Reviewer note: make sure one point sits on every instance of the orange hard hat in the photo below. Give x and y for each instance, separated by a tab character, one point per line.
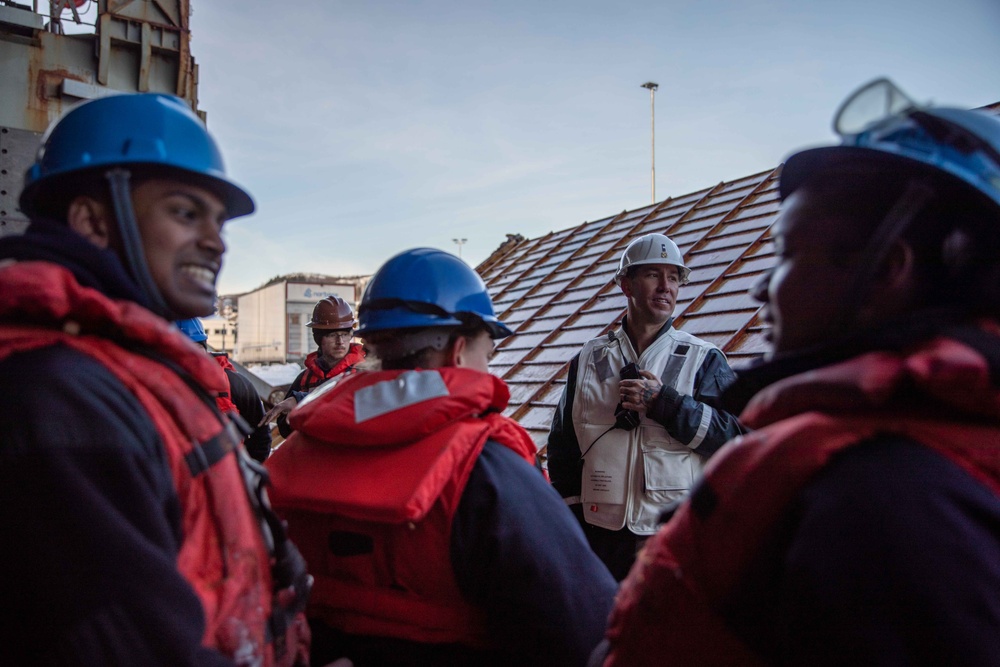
332	312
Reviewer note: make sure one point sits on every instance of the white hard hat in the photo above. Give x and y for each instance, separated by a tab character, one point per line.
652	249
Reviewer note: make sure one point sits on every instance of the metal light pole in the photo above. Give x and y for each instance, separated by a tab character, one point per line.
652	134
459	243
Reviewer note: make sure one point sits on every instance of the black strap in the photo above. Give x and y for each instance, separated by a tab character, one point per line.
135	257
206	454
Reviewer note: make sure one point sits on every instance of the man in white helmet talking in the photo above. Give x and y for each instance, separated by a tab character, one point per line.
636	421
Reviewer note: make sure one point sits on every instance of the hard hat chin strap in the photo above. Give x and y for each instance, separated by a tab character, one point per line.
135	259
917	195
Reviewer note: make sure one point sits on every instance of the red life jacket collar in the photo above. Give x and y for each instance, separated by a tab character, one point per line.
222	359
677	597
316	374
942	374
48	294
416	424
389	407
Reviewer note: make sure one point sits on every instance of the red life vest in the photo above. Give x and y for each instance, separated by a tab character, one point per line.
223	554
314	375
223	399
671	604
370	482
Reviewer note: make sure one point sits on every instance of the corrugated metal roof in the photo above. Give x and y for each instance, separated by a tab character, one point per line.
557	291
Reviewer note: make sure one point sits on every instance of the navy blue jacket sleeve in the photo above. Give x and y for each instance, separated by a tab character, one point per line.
518	552
284	428
893	560
698	420
92	520
563	450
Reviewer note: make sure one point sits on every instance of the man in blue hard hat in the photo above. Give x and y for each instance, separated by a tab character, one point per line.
859	524
241	399
139	531
433	537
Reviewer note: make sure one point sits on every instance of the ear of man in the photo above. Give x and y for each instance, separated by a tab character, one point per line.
898	268
91	219
895	287
626	285
456	351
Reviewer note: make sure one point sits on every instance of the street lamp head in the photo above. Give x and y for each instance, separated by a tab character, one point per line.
650	85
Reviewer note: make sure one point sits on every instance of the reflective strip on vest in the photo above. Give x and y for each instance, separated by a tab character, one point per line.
408	389
706	421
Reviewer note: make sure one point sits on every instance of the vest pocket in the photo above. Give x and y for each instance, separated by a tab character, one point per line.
666	472
668	475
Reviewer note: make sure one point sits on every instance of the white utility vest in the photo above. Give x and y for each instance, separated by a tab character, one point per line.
630	476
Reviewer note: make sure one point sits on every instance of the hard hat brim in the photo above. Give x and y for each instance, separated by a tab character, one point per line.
235	199
332	327
497	329
684	271
801	166
377	321
804	165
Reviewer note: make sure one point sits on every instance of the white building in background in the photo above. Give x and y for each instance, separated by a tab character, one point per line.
271	320
221	333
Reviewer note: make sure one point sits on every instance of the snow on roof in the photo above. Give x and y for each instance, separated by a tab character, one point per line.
275	375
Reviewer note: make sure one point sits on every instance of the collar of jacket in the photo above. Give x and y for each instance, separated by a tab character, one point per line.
624	327
97	268
45	294
897	336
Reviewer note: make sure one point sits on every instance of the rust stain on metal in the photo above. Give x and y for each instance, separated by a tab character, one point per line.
46	102
36	113
47	83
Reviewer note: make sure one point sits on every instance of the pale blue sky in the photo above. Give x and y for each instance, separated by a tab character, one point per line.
365	127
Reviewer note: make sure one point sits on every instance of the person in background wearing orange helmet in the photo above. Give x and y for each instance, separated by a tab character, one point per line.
333	328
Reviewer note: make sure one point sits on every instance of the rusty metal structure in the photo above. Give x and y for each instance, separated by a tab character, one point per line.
52	57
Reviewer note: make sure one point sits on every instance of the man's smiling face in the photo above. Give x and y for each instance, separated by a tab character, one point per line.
181	229
651	291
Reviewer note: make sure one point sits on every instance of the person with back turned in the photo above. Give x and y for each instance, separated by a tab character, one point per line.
433	537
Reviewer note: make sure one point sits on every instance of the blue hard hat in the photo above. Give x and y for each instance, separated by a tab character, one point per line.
960	145
148	130
193	329
422	288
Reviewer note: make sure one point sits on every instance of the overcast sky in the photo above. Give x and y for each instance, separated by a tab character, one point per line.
365	127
